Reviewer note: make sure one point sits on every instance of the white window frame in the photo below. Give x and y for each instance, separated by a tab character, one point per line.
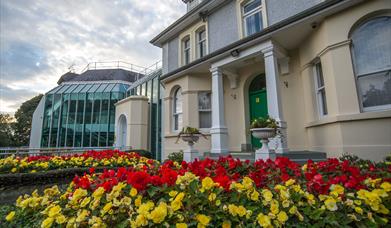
370	74
204	110
175	114
320	100
185	50
259	9
200	42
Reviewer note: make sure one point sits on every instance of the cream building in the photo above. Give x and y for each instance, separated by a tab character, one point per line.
321	68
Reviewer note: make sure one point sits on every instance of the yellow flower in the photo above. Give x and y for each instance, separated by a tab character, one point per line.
226	224
181	225
282	217
207	183
98	192
359	210
172	193
137	202
218	202
60	219
10	216
274	207
289	182
293	210
212	197
255	195
133	192
263	220
54	211
386	186
47	222
13	170
267	195
247	183
85	201
82	216
331	204
203	219
159	213
106	208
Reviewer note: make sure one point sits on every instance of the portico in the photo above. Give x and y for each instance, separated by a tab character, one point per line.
224	69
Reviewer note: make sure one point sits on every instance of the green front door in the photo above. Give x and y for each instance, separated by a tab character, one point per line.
258	108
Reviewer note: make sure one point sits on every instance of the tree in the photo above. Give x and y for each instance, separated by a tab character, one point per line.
24	116
6	130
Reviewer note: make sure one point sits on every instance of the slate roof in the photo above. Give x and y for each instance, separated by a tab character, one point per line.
101	75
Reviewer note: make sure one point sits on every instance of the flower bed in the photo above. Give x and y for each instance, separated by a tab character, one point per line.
108	158
223	193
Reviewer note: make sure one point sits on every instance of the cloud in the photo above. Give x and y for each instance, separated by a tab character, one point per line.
40	39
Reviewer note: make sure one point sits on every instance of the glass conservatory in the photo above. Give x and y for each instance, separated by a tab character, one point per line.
81	114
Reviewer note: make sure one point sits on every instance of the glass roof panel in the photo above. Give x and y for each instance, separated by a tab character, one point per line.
79	88
86	88
109	87
93	88
55	89
116	88
101	88
65	87
71	88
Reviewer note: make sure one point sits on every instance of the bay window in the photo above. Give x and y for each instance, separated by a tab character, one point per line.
371	52
320	90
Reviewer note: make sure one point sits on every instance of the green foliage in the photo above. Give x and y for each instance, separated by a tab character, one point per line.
190	131
176	157
264	122
23	118
6	130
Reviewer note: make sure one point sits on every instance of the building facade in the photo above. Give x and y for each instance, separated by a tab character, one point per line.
80	111
321	68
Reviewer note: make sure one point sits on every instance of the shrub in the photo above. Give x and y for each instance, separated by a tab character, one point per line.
176	157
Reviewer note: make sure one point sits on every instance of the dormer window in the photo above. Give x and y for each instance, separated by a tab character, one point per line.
186	50
252	17
201	42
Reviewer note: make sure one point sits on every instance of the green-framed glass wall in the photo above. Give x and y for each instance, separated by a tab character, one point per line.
150	87
81	115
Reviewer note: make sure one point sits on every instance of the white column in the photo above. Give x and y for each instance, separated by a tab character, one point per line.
274	104
218	131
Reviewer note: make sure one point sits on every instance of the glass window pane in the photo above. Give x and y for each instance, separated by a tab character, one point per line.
78	89
251	5
204	101
253	23
55	120
376	89
101	88
372	46
205	119
149	89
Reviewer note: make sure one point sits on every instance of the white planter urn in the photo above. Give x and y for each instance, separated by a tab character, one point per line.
264	134
190	154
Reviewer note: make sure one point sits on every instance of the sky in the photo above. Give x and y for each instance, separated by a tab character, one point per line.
41	39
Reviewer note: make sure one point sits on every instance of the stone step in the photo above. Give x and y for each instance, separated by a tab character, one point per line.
300	157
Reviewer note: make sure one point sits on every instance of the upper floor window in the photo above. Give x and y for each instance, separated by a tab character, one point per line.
320	90
177	110
201	42
371	51
186	51
205	109
252	17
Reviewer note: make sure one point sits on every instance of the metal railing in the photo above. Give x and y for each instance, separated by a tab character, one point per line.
64	151
122	65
